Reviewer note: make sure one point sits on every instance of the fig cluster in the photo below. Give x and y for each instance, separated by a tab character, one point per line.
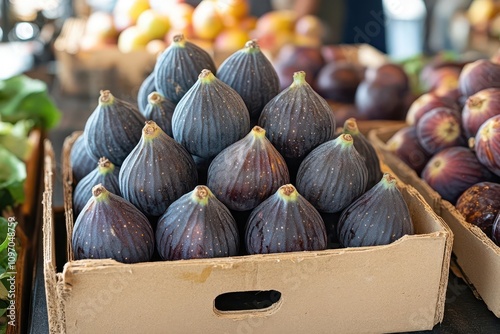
453	140
204	167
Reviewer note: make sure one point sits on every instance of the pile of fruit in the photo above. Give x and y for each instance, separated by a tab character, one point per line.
353	89
222	25
453	141
219	162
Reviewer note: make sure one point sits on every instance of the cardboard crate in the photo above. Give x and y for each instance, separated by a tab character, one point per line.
392	288
476	255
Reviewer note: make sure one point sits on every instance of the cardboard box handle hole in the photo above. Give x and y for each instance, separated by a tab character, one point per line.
247	301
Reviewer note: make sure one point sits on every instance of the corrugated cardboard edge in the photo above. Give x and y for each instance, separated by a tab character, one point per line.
68	187
379	138
54	305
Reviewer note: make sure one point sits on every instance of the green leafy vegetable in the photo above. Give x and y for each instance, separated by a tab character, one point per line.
14	137
24	98
12	176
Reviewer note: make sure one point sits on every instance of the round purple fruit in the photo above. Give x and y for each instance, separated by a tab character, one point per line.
453	170
478	108
440	128
487	144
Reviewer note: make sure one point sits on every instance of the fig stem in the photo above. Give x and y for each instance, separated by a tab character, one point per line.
351	126
179	40
299	78
206	76
389	180
252	46
150	130
105	166
345	139
288	193
258	132
100	193
201	194
155	98
106	98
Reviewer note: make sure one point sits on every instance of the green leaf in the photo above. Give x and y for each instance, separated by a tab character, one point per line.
4	293
14	137
24	98
12	177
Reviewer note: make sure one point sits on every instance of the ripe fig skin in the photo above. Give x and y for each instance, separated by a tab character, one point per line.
487	144
479	204
210	117
147	87
440	128
298	119
453	170
252	75
157	172
425	103
479	75
285	222
196	226
104	173
479	108
111	227
113	129
160	110
177	68
366	150
247	172
405	145
81	161
333	175
378	217
338	81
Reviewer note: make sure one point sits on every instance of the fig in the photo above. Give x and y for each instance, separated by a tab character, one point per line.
252	76
105	174
479	204
378	217
293	58
247	172
333	175
487	144
366	150
377	100
495	233
147	87
390	75
111	227
157	172
478	108
285	222
80	160
452	170
338	81
297	120
177	68
440	128
113	129
210	117
405	145
160	110
196	226
441	79
479	75
425	103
